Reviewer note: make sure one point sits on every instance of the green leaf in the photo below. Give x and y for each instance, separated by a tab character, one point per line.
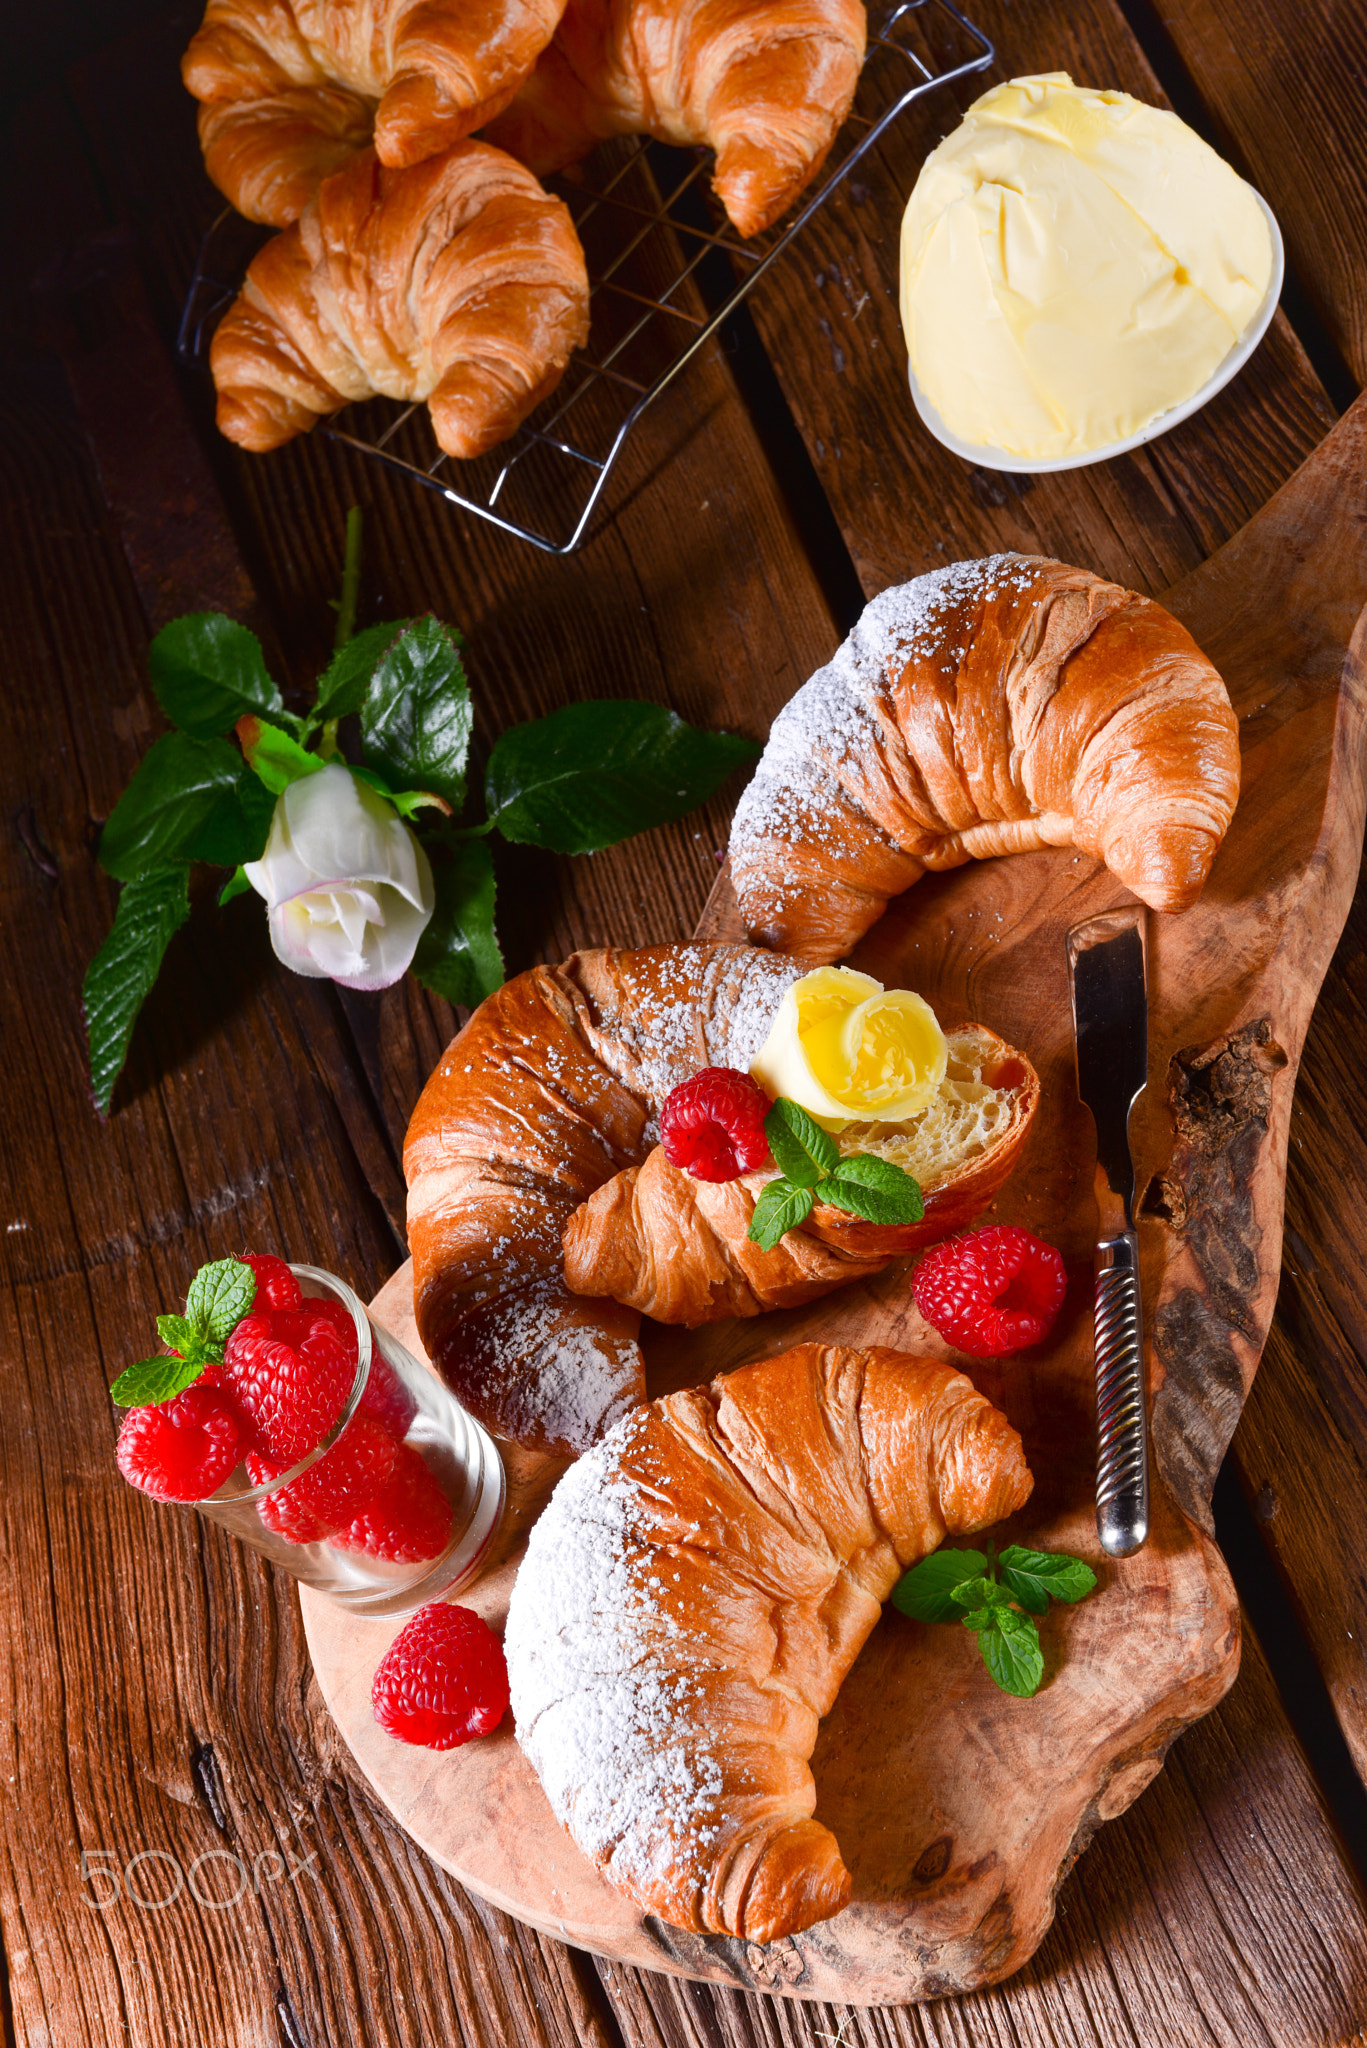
980	1592
274	756
151	910
236	885
780	1208
207	670
405	801
416	717
154	1379
458	955
874	1189
802	1151
591	774
179	1334
926	1591
176	799
344	682
1036	1576
220	1295
238	826
1011	1651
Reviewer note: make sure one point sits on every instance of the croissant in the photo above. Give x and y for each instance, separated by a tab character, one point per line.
548	1092
675	1248
694	1595
990	707
291	89
458	281
765	83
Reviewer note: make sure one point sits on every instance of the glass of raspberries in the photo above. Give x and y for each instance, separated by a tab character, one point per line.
282	1412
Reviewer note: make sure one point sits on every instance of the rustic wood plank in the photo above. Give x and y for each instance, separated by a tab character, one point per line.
1185	1922
829	318
1283	91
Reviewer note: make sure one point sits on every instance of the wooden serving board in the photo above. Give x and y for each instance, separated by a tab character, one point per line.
959	1809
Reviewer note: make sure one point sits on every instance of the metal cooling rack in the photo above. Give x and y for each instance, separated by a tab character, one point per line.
658	248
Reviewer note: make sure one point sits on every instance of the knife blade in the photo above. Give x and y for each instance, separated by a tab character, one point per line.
1106	978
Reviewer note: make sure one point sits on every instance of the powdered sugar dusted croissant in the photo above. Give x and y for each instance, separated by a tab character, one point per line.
990	707
675	1248
694	1595
765	83
549	1091
458	281
290	89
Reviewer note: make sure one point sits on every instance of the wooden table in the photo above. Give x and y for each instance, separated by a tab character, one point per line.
160	1725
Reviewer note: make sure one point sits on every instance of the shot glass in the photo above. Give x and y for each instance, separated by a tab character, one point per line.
442	1492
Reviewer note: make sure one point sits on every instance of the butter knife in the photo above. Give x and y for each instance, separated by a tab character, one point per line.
1111	1033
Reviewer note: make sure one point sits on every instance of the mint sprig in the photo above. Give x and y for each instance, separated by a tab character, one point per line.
811	1170
585	777
997	1597
220	1295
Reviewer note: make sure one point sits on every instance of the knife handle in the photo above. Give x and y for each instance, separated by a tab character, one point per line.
1122	1431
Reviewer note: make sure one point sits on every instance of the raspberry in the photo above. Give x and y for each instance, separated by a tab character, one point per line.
347	1478
713	1125
409	1518
276	1286
993	1291
443	1680
182	1449
282	1511
387	1398
292	1372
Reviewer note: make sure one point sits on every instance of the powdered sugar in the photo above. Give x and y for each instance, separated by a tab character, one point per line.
732	993
572	1381
616	1733
834	718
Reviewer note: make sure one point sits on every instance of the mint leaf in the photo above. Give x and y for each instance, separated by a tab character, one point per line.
801	1149
874	1189
458	955
416	715
926	1591
980	1592
780	1208
176	792
151	910
220	1295
207	670
178	1334
592	774
343	684
1011	1650
154	1379
1036	1576
274	756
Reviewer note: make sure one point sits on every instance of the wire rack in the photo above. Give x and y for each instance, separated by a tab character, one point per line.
665	271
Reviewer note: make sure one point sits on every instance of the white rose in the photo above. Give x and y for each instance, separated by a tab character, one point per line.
347	886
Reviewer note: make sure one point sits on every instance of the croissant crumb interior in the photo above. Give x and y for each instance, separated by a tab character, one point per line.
967	1117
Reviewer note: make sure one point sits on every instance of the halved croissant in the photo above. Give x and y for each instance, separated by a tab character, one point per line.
675	1248
548	1092
990	707
458	281
290	89
694	1596
765	83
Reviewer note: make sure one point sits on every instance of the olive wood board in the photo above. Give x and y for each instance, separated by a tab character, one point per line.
958	1808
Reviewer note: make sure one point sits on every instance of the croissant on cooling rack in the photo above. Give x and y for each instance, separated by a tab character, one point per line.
657	1240
764	83
458	281
991	707
289	90
694	1596
548	1092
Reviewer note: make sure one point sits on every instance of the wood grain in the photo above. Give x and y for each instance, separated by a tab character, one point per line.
161	1695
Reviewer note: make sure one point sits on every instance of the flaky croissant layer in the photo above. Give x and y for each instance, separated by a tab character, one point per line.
694	1596
458	281
990	707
